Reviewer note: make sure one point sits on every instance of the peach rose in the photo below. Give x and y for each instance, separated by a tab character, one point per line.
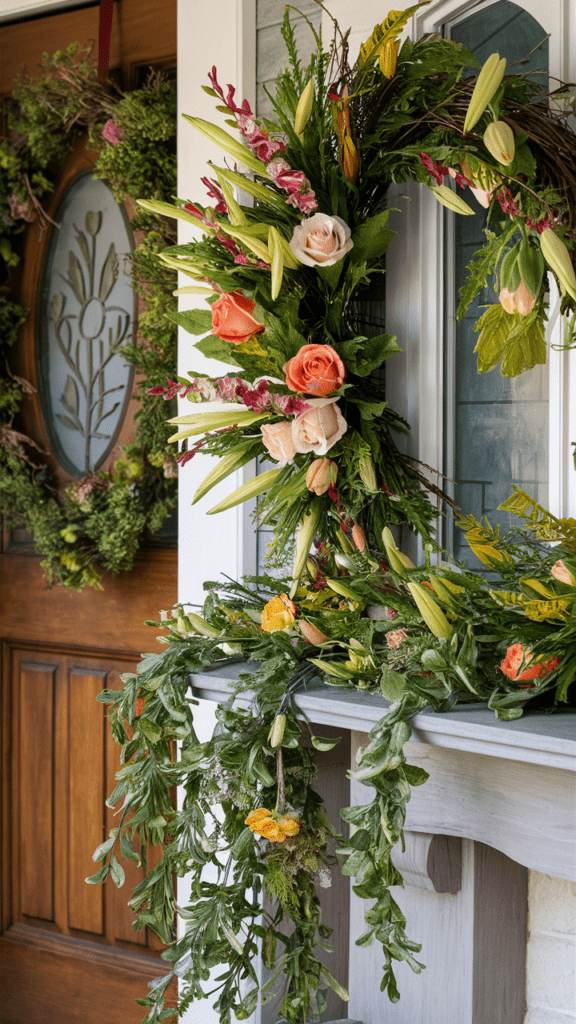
562	574
321	475
277	438
520	300
516	654
319	428
279	613
316	370
232	318
320	241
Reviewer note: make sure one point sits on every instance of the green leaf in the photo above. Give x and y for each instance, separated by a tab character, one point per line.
392	684
99	876
484	262
228	464
335	985
195	321
214	348
509	272
104	848
151	730
117	872
531	266
515	339
371	239
324	743
363	355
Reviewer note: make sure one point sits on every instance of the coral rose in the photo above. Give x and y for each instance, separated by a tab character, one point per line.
516	654
277	438
232	318
279	613
319	428
315	370
320	241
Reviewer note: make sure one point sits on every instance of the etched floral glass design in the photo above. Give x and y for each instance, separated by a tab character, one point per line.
86	317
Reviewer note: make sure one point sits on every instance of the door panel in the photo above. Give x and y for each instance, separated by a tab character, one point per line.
68	952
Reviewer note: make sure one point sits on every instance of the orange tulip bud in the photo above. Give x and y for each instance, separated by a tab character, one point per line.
321	475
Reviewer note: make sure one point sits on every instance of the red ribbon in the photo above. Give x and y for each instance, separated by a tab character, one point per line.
104	37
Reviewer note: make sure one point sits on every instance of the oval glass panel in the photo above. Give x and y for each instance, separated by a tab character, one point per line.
86	316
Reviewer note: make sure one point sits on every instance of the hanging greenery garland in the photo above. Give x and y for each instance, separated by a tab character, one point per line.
284	280
98	521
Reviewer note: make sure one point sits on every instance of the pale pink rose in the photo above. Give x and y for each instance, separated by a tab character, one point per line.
562	574
318	429
321	240
277	438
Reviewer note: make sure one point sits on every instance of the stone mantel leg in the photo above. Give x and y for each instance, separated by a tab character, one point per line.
473	935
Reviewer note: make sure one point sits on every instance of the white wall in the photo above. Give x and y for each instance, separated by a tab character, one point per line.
551	963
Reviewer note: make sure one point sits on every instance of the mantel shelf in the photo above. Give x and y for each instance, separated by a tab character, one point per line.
536	738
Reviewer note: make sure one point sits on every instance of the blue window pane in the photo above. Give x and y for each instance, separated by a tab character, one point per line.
498	426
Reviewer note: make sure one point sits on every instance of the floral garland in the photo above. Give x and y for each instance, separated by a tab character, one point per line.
97	522
285	281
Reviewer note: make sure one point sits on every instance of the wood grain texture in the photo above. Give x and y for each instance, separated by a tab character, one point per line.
86	817
35	777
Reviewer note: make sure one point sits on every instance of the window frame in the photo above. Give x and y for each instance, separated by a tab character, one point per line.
417	288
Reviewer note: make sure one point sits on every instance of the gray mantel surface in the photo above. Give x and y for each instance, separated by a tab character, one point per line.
536	738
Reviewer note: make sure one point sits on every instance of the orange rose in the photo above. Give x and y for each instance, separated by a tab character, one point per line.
279	613
516	654
315	370
232	318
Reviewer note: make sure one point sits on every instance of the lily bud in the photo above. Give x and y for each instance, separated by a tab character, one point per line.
562	574
487	83
304	108
350	159
304	541
311	633
558	259
321	475
499	141
200	626
431	612
368	473
388	57
520	300
276	734
449	199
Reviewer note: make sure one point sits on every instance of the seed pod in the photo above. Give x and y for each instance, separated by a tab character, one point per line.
304	108
499	141
387	58
431	612
558	259
487	83
449	199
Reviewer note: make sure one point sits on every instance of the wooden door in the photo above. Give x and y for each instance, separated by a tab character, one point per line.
67	950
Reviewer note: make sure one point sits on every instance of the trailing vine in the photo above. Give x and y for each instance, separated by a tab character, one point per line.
97	522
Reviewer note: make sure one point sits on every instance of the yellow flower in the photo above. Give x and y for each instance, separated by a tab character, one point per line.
279	613
270	826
